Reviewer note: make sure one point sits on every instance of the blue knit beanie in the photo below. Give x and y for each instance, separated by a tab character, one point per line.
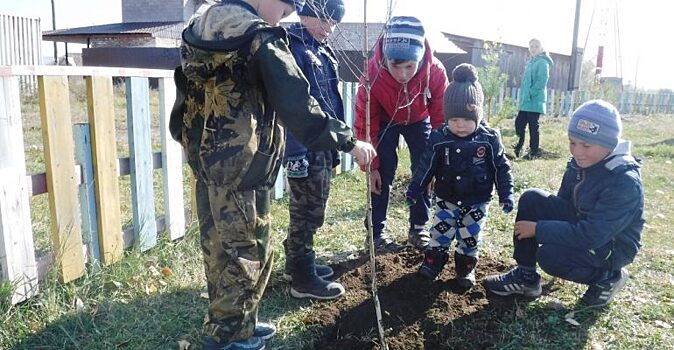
298	4
324	9
404	39
596	122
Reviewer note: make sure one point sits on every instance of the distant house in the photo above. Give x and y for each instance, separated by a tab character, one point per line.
513	60
149	37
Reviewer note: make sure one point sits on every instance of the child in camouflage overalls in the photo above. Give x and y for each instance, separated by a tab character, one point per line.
239	83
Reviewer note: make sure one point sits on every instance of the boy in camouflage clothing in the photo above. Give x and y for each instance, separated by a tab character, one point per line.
239	83
309	172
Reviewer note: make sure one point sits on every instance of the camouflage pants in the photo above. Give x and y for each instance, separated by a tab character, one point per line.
235	241
308	201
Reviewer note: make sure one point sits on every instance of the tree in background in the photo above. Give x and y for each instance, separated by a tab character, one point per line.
493	81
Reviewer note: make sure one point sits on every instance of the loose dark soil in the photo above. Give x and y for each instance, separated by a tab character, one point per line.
417	313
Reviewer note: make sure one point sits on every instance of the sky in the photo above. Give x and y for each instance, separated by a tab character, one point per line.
635	44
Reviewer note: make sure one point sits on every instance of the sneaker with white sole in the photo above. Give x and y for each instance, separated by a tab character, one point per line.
600	294
512	282
264	330
252	343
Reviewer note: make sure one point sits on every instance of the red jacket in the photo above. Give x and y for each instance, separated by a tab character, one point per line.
389	98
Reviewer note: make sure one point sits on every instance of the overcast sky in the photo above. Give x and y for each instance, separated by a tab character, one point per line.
637	44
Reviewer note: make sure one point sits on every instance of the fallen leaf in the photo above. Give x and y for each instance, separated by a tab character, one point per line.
162	283
153	271
659	191
79	304
573	322
663	324
204	295
183	345
166	271
570	314
118	285
660	215
150	289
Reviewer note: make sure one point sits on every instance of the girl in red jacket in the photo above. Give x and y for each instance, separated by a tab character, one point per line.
407	85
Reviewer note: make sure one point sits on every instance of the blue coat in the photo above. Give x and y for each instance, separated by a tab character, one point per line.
465	168
609	202
318	62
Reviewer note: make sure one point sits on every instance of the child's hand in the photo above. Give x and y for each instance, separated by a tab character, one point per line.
525	229
507	204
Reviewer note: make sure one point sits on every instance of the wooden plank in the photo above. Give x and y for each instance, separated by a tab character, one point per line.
86	192
172	163
13	70
57	136
279	184
349	105
100	107
140	157
17	253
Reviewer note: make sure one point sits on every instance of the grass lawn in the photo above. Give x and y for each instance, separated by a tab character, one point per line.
153	300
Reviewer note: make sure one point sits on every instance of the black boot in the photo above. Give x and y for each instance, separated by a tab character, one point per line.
323	271
307	284
465	270
434	260
518	147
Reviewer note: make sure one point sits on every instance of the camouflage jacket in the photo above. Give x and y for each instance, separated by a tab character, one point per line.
241	85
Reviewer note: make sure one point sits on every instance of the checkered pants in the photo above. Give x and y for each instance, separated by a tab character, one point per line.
463	223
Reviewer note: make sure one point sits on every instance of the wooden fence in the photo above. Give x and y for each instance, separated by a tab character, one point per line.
562	103
83	170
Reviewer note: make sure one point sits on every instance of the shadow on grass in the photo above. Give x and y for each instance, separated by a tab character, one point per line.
155	322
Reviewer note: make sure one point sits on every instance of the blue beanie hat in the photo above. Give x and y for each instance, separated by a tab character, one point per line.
324	9
596	122
404	39
298	4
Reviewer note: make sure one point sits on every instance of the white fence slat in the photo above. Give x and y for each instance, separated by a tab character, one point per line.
172	163
17	252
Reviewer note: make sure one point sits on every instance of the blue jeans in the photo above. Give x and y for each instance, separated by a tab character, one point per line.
573	264
416	136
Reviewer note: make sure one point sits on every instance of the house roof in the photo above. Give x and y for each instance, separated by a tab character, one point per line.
81	35
348	36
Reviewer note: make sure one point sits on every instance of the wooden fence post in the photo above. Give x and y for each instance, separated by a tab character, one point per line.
87	195
172	164
100	106
57	135
17	252
140	161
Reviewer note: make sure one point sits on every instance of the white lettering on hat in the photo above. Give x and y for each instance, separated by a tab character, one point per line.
588	126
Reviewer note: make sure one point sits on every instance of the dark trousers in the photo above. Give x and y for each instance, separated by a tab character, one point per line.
578	265
416	136
530	118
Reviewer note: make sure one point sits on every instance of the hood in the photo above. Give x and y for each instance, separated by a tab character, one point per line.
543	56
621	155
221	30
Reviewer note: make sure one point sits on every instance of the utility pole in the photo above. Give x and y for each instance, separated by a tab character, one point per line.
574	50
53	27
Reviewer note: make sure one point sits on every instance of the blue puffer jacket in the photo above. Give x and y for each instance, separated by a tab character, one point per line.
609	201
465	168
318	62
